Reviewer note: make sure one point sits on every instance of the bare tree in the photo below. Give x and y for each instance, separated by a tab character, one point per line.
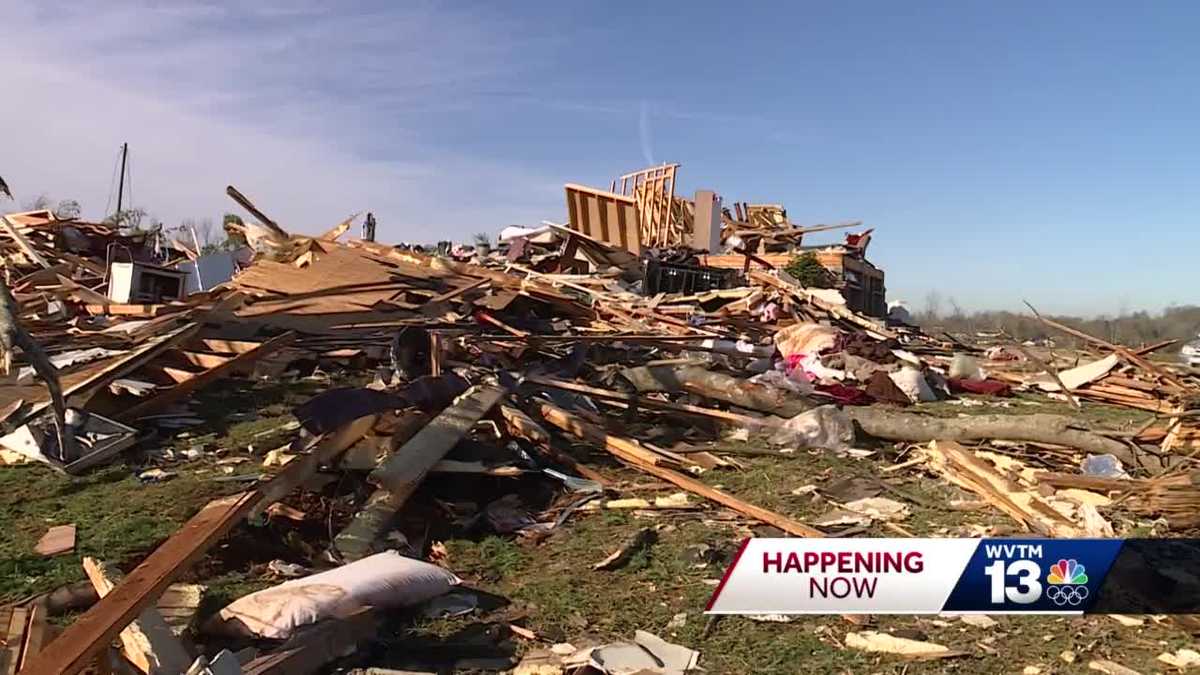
67	209
933	304
37	203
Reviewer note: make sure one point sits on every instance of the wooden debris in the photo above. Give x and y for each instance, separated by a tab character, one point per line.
148	642
640	541
400	475
57	540
314	646
874	641
89	634
635	455
961	467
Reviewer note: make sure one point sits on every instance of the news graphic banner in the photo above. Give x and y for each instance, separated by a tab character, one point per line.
930	576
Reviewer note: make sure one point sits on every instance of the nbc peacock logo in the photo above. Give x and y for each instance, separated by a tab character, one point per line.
1067	583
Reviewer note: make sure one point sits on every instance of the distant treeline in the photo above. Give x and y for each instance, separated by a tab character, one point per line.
1133	328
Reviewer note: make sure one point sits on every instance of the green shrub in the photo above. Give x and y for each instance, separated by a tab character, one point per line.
805	269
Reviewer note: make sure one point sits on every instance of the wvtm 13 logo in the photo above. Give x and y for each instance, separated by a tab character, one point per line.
1065	583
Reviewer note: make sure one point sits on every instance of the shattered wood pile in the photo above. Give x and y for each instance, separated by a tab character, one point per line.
517	390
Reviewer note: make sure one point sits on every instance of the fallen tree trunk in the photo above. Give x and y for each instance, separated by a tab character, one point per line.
886	424
1038	428
719	387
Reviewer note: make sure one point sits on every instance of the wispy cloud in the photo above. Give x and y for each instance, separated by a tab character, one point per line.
314	110
644	133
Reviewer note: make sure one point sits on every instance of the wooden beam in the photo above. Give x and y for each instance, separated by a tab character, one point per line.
92	632
37	630
178	375
632	453
12	628
645	402
185	388
314	646
338	230
233	347
204	359
245	203
138	358
523	426
1124	353
401	473
23	243
321	450
148	642
450	295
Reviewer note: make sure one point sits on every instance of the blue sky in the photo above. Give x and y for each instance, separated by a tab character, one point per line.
1003	151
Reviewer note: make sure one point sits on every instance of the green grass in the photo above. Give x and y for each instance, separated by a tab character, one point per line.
118	519
556	593
551	586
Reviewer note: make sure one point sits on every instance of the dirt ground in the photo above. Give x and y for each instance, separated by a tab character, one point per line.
549	586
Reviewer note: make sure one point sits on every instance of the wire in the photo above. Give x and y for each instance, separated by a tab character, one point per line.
130	173
112	184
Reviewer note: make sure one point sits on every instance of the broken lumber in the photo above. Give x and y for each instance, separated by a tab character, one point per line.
314	646
92	632
398	477
23	243
322	450
963	468
645	402
632	453
203	379
1124	353
148	642
523	426
245	203
338	230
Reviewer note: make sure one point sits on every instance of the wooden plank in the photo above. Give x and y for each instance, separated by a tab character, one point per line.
82	293
963	468
159	401
245	203
148	642
1124	353
632	453
57	540
229	346
36	632
13	627
143	311
646	402
399	475
91	633
23	243
204	359
450	295
522	425
118	369
338	230
321	450
177	375
314	646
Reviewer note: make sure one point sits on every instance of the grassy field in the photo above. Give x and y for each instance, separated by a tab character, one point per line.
550	586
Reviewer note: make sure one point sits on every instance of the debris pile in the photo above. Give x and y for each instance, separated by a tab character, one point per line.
507	390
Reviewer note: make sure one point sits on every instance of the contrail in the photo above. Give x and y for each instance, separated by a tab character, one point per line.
644	133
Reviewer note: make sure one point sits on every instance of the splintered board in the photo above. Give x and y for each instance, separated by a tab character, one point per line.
96	628
185	370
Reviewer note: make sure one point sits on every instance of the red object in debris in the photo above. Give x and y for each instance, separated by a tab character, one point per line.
845	395
985	387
